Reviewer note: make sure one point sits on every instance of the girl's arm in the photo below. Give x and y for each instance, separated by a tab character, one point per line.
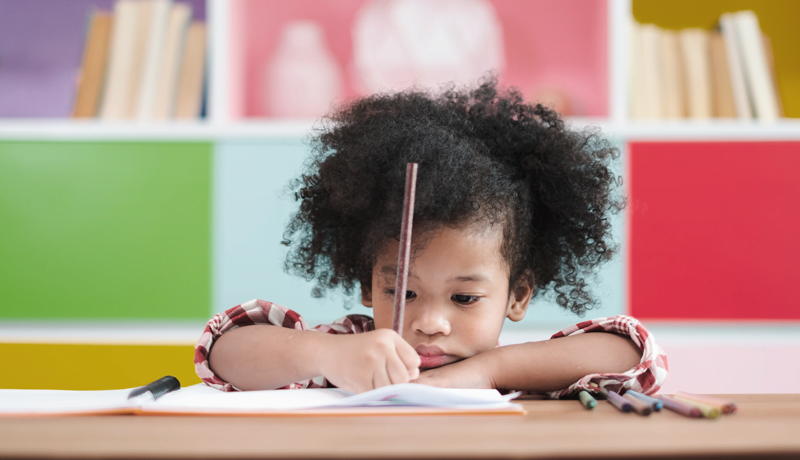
554	364
266	357
613	353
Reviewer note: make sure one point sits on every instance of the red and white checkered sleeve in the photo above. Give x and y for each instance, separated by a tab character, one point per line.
647	377
247	314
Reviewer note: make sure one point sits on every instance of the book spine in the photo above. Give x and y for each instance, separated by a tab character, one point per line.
93	67
741	100
116	94
759	82
190	86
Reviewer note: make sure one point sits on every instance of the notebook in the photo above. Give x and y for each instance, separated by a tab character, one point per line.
200	399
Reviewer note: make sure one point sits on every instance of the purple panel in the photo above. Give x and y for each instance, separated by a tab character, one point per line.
41	42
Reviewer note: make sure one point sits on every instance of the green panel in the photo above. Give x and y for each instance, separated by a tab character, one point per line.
778	20
104	230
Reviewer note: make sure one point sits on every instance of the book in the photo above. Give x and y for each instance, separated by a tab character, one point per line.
93	65
756	71
151	65
722	91
697	78
672	91
741	100
650	36
638	96
771	65
119	76
192	74
200	399
141	36
166	93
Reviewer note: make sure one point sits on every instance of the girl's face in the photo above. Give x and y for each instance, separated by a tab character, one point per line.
457	298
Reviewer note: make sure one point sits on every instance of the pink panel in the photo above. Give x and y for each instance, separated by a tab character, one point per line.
548	44
732	369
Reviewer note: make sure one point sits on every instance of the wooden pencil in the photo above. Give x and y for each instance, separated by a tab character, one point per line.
726	406
617	401
708	410
680	407
587	400
405	248
656	404
639	406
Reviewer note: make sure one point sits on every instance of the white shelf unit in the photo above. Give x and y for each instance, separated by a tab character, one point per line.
219	124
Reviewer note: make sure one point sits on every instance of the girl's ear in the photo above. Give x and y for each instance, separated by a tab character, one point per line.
366	295
520	298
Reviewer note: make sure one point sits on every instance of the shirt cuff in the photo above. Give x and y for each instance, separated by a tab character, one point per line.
247	314
647	377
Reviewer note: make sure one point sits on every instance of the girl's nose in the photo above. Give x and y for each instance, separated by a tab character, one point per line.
428	318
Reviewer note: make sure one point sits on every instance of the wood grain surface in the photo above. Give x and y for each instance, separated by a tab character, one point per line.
767	426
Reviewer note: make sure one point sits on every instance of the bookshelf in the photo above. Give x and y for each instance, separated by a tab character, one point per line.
240	141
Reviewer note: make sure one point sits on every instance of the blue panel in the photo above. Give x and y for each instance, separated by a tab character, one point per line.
251	209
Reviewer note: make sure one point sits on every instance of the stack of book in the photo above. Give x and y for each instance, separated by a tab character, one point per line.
700	74
145	61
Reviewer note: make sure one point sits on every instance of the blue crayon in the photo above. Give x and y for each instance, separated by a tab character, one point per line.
656	404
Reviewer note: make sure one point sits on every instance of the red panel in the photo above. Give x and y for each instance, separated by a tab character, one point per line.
714	230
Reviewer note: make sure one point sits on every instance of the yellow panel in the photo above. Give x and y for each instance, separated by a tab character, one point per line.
778	18
92	367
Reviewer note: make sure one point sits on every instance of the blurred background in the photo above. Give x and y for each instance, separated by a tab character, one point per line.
146	147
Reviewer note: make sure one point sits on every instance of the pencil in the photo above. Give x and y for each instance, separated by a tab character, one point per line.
617	401
708	410
587	400
726	406
680	407
656	404
405	248
639	406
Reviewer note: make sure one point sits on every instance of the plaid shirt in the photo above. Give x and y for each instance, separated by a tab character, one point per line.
647	377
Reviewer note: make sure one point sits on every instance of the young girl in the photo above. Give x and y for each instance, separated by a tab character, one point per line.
510	204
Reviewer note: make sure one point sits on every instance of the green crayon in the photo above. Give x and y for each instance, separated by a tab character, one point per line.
588	401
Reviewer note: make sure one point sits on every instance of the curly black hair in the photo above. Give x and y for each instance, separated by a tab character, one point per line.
485	155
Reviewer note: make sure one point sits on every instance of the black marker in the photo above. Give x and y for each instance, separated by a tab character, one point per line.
155	390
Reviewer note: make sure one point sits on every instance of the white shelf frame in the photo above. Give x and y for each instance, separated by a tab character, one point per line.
220	125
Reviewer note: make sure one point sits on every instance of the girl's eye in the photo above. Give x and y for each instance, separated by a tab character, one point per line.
464	299
409	294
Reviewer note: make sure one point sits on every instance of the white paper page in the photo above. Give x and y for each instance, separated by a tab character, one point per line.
62	401
412	394
201	398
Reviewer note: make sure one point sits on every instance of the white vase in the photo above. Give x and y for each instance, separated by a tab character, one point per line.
302	79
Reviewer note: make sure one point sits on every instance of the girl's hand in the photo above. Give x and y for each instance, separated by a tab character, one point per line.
363	362
468	373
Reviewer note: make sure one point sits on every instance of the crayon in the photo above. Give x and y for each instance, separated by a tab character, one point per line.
618	401
405	248
639	406
656	404
726	406
587	400
707	410
680	407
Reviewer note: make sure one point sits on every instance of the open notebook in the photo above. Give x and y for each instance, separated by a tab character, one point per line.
405	399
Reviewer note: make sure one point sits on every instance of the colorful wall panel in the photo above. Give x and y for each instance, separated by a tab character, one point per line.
105	230
713	232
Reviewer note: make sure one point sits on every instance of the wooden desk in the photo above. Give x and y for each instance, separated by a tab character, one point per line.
765	425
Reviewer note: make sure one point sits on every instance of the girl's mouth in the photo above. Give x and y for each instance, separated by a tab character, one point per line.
429	361
433	356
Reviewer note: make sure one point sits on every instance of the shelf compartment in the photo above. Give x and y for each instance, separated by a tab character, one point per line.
713	230
562	44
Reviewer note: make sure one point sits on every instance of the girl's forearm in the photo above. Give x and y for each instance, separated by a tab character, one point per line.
264	357
554	364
